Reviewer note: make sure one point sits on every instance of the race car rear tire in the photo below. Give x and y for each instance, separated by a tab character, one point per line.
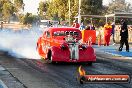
50	57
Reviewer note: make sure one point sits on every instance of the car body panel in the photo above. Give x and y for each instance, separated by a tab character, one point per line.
63	45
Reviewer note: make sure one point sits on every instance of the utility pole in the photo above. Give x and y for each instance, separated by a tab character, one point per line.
79	12
69	13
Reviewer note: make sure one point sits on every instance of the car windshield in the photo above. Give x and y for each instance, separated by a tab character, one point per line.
65	33
59	33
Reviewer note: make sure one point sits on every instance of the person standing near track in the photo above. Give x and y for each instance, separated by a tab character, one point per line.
75	24
1	25
107	33
82	26
113	32
124	36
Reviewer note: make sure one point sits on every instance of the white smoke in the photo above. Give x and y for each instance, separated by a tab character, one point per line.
20	44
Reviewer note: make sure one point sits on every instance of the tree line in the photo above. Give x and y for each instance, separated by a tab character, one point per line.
59	9
8	8
13	10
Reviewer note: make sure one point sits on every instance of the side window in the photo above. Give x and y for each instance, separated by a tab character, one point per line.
48	34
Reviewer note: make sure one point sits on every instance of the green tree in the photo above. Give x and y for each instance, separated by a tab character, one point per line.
19	5
60	8
27	19
57	9
1	4
43	6
8	8
93	7
74	8
119	6
7	11
52	10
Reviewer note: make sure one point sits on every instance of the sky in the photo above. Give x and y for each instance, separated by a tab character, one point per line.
32	5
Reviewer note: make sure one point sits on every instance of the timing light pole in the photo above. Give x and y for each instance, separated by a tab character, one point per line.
69	13
79	12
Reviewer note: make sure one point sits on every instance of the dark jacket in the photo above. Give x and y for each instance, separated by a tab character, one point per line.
124	30
113	29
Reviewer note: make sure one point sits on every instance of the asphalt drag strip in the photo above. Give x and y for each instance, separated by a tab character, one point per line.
39	74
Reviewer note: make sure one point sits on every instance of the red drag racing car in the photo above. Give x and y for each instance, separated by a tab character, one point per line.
64	45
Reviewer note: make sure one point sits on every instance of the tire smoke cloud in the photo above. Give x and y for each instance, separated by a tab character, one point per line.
20	43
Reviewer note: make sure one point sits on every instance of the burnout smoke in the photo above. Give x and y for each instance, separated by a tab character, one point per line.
20	44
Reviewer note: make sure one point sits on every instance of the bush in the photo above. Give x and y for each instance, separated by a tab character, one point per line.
27	19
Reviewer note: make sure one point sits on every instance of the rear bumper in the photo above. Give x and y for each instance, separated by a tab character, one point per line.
81	59
85	55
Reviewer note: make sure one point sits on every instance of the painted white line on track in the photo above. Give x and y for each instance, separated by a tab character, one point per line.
2	85
1	68
117	55
12	68
120	57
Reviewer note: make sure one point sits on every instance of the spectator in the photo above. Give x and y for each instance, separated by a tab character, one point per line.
92	27
107	34
113	31
49	24
87	27
82	26
75	24
1	25
124	36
